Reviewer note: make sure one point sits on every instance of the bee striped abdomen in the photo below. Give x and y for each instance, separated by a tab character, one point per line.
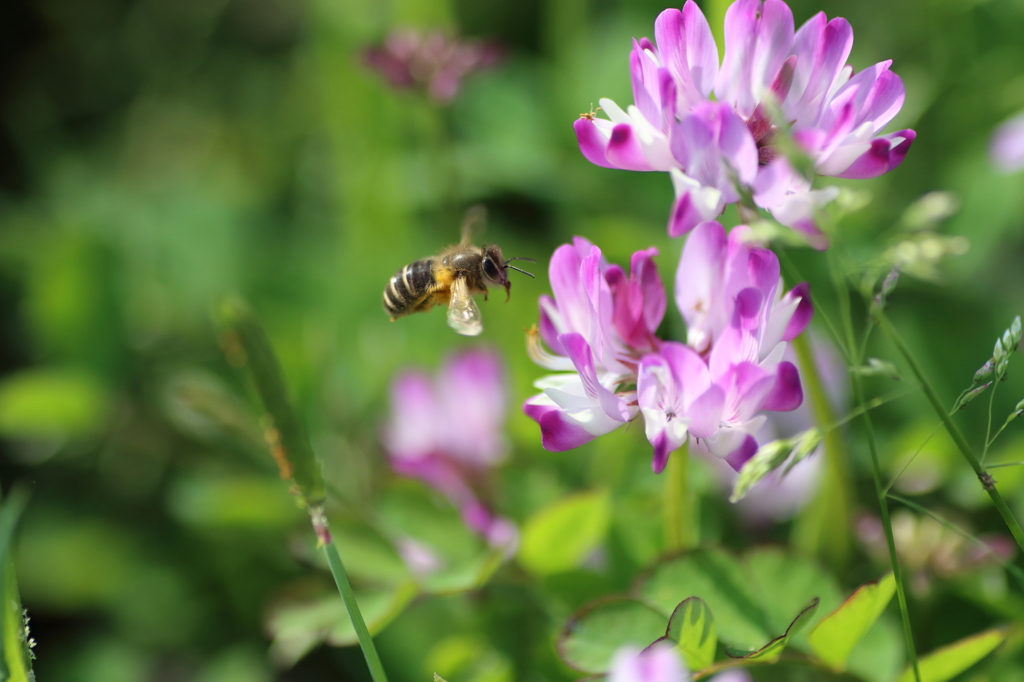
409	288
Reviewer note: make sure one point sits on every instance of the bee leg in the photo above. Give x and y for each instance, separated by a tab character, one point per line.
508	291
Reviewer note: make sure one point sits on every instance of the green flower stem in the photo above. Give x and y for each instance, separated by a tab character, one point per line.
681	530
986	480
349	597
876	472
824	526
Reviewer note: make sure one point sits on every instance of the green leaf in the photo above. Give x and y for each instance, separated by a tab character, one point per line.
784	584
834	638
15	663
560	536
51	403
719	580
595	632
773	649
692	627
949	661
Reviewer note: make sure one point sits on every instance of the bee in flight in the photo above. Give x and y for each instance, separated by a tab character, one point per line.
453	277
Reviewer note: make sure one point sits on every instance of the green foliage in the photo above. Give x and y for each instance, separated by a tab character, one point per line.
52	402
834	638
949	661
772	650
562	535
692	627
593	635
720	581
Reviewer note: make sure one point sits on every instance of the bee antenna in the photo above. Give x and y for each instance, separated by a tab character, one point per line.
532	260
512	267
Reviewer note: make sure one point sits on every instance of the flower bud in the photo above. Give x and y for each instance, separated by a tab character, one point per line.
971	395
984	370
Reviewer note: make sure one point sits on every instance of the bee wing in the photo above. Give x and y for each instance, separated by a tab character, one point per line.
463	313
473	223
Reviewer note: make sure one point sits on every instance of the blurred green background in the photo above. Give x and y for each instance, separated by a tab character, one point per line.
155	154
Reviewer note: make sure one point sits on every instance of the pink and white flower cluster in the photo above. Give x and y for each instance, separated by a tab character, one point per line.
599	330
773	81
448	433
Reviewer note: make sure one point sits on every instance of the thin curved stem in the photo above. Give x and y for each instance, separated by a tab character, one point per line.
987	482
876	471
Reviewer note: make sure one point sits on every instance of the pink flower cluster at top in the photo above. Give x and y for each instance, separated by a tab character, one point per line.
599	331
448	433
771	78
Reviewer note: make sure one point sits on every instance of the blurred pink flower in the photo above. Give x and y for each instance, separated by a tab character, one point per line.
448	433
771	77
1007	147
659	663
433	62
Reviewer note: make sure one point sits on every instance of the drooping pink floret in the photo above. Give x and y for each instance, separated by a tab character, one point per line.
771	78
448	432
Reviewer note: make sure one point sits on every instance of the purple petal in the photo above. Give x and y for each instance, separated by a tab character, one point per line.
705	412
592	143
689	371
774	40
662	449
684	217
886	153
699	274
558	434
787	395
763	269
701	50
579	351
624	149
804	311
737	145
548	332
643	71
738	457
643	271
747	312
733	85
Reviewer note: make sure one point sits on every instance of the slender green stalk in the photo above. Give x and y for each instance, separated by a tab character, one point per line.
910	461
345	588
987	482
876	471
823	528
988	426
681	530
1005	464
247	346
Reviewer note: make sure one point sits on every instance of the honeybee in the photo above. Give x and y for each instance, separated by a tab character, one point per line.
453	276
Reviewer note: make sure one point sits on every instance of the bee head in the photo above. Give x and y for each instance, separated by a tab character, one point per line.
493	268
